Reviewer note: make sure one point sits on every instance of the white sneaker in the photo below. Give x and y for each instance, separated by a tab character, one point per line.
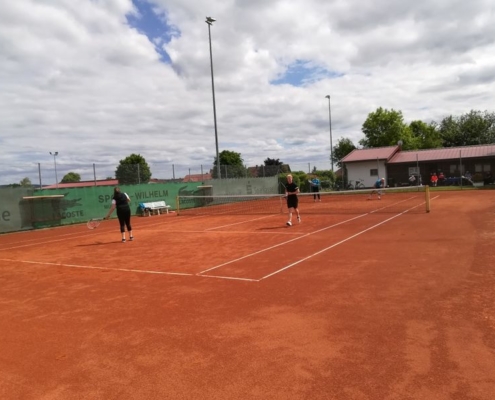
289	223
299	219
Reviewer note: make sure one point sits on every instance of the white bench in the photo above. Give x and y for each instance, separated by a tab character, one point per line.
152	207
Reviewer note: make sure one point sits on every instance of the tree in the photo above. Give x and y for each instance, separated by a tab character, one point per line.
386	128
271	167
133	170
473	128
71	177
26	182
344	146
231	165
327	177
427	136
272	161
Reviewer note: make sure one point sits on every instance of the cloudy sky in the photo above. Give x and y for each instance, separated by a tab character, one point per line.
97	80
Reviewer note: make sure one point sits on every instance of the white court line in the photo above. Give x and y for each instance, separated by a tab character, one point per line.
201	274
338	243
238	232
47	241
101	229
34	239
101	268
280	244
300	237
238	223
228	277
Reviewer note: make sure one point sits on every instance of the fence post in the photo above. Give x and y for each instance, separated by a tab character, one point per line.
39	173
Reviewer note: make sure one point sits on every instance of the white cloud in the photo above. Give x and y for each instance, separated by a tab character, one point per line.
76	78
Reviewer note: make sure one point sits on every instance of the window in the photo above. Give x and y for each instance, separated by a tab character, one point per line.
373	172
482	168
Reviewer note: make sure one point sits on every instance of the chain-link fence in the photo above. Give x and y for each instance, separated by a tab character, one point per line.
52	173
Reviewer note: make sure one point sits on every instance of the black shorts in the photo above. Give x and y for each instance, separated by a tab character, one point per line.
292	201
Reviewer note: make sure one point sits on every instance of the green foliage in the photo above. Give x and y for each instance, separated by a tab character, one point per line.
473	128
385	128
297	177
25	182
71	177
327	178
301	179
133	170
271	167
273	161
231	165
343	147
427	136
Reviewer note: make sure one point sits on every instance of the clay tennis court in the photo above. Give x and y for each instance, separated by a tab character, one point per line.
363	305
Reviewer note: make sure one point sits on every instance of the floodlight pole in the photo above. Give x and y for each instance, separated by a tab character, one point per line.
210	21
55	154
330	124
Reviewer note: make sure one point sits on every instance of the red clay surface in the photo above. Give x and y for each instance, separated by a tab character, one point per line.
352	306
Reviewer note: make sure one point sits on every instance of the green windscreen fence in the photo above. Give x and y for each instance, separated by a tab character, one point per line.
29	209
22	208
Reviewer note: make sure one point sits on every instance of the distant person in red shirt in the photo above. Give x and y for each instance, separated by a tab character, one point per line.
434	179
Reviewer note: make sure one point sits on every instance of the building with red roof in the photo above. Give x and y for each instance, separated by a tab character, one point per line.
396	165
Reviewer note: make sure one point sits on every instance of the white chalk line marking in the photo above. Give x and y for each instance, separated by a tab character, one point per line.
280	244
202	274
337	244
93	267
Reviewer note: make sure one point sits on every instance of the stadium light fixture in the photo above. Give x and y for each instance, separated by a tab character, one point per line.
209	21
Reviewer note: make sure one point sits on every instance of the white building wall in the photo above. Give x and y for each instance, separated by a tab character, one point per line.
361	171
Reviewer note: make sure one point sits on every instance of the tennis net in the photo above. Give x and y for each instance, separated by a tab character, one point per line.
392	200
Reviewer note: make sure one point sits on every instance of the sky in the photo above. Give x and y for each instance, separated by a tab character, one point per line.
98	80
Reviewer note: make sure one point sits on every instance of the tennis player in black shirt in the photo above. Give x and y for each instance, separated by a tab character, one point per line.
291	191
120	201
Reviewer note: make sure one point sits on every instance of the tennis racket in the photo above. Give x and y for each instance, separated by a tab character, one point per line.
284	189
94	223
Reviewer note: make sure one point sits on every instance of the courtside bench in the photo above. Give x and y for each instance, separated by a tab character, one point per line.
152	207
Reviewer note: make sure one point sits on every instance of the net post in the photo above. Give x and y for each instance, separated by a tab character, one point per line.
427	198
177	204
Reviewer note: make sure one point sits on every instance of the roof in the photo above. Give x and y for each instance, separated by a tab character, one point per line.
380	153
449	153
106	182
197	177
